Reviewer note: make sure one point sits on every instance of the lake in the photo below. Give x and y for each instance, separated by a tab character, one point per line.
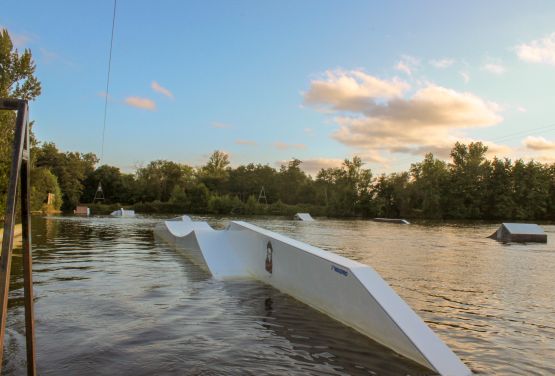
112	299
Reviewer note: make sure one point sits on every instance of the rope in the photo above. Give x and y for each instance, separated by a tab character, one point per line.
108	81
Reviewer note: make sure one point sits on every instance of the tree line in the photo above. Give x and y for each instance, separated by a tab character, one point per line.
469	186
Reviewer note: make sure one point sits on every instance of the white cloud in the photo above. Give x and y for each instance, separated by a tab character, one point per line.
538	143
408	64
160	89
465	76
219	125
538	51
284	146
143	103
521	109
429	120
442	63
351	90
494	68
245	142
19	40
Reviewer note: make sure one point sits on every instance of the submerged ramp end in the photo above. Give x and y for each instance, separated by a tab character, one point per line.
519	232
303	217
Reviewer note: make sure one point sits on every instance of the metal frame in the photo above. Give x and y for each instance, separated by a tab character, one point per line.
19	178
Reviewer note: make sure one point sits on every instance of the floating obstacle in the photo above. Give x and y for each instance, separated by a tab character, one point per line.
123	213
303	217
392	220
519	232
346	290
82	210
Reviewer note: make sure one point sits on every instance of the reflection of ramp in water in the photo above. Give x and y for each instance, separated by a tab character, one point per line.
348	291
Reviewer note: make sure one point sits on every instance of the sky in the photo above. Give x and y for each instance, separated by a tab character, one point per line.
265	81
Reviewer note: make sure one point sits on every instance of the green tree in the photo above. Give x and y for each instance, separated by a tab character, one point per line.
532	182
346	189
43	182
71	169
290	181
157	180
117	187
429	180
215	174
17	80
468	171
499	195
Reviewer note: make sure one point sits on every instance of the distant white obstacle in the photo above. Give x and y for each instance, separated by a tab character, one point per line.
392	220
346	290
519	232
123	213
303	217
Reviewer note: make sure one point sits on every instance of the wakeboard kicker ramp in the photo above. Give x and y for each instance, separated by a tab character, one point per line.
346	290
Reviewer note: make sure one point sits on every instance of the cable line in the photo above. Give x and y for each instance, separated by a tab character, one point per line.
107	92
99	194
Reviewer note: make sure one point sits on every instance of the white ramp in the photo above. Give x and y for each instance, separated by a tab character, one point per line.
123	213
520	232
303	217
350	292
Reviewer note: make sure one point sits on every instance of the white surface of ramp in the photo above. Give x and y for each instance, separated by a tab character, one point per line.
304	217
123	213
346	290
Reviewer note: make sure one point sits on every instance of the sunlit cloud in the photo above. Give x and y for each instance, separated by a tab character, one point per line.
284	146
494	68
442	63
245	142
407	64
219	125
351	90
432	119
48	56
538	51
538	143
465	76
142	103
521	109
308	130
160	89
19	40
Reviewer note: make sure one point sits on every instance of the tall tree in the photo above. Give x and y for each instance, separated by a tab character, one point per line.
17	80
429	180
215	174
468	169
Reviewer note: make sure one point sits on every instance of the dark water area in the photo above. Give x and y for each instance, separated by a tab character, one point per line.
111	299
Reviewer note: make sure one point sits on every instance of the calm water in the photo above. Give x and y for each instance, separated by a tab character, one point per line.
110	299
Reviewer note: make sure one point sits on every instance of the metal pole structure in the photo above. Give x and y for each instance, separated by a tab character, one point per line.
19	174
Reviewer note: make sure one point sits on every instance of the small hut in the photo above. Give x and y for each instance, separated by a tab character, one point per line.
303	217
519	232
82	210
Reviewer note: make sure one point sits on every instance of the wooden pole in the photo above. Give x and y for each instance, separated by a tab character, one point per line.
19	173
28	256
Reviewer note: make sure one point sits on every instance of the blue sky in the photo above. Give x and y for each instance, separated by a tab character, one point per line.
317	80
